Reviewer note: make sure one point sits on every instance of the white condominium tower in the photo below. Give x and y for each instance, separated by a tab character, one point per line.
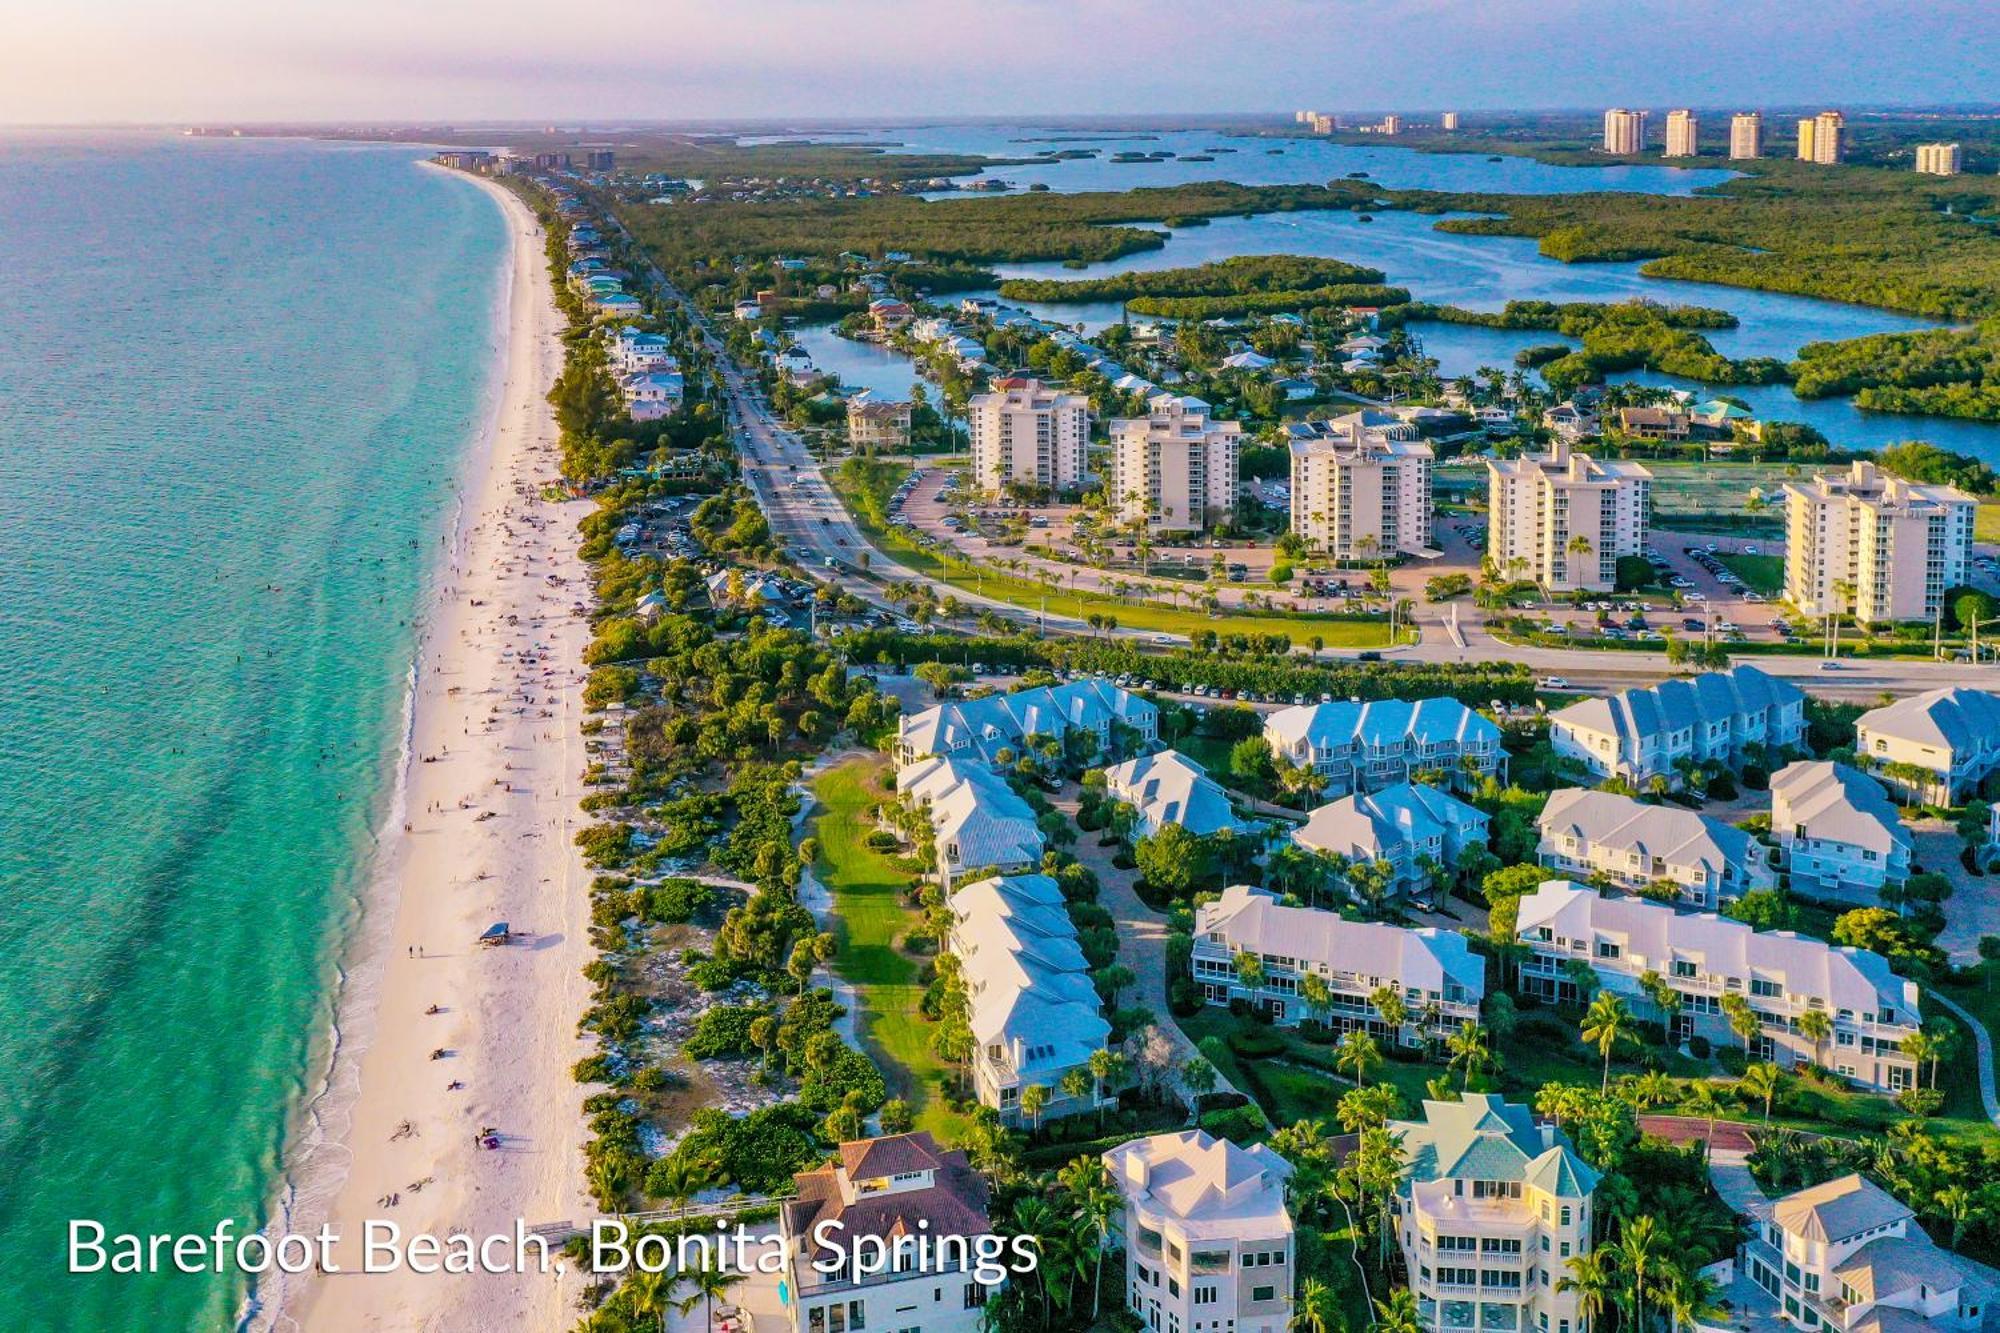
1746	135
1682	134
1940	159
1562	519
1028	433
1878	546
1624	131
1448	121
1360	492
1823	138
1174	469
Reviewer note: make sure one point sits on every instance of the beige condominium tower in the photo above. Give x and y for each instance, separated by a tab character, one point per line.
1029	434
1174	469
1682	134
1746	135
1874	545
1361	491
1624	131
1823	138
1563	519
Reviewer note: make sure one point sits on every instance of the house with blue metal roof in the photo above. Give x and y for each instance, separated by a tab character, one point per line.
1713	718
1369	746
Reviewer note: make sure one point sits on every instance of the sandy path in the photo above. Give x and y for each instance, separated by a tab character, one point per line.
492	790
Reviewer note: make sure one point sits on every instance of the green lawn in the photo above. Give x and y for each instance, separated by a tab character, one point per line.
1986	522
1763	573
869	918
1032	596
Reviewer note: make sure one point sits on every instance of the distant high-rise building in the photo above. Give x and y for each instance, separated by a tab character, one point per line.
1563	519
1940	159
1682	135
1624	131
1746	135
1823	138
602	159
1448	121
1392	124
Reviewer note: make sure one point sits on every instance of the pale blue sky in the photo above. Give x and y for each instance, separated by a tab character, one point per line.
204	60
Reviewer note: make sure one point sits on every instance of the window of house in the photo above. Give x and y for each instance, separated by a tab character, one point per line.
1263	1293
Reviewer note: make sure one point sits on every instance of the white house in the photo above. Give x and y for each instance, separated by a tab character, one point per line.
1439	977
1634	845
1002	721
1936	746
1715	717
1847	1255
1368	746
1034	1010
1705	958
1402	825
1170	788
1489	1212
1208	1239
977	820
1838	831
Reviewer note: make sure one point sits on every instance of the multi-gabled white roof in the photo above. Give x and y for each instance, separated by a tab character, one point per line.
1678	705
1208	1188
1170	788
1027	988
1831	802
1377	826
1954	719
1428	959
1677	836
1842	976
974	809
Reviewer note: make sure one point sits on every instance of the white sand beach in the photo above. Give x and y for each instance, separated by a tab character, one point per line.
491	795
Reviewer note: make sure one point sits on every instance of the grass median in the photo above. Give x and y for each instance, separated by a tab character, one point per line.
867	504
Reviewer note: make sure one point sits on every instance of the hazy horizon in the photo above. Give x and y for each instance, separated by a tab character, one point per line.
122	61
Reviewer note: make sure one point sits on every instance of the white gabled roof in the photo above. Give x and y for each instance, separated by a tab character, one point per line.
1834	803
1677	705
1212	1187
1001	720
1170	788
1844	977
1372	826
1253	919
1677	836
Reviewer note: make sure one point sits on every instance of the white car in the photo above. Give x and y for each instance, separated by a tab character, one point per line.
1552	683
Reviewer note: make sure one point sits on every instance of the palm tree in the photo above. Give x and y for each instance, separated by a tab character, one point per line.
1954	1204
651	1294
1607	1023
1591	1278
710	1283
1817	1028
1309	1311
1666	999
1761	1080
1097	1202
1703	1102
1034	1099
1638	1246
1395	1011
1358	1054
1690	1297
1399	1314
1317	993
1468	1051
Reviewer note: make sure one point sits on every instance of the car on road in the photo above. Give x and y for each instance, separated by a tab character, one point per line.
1829	665
1552	683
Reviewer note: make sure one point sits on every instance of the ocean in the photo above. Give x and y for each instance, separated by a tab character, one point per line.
238	379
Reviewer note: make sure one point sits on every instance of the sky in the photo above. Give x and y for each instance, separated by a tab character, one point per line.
203	61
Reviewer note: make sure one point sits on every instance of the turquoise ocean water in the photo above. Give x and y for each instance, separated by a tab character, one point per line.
237	383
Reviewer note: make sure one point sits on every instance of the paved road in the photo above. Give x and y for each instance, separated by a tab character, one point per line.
814	523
